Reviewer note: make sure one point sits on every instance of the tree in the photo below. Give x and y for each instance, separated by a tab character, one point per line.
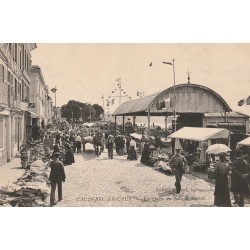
99	110
75	111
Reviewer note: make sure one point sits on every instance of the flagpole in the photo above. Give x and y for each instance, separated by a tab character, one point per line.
174	98
120	91
103	109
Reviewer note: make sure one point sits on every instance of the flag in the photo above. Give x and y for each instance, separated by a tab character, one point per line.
241	102
118	81
150	65
167	63
172	102
248	100
162	105
53	90
167	102
158	107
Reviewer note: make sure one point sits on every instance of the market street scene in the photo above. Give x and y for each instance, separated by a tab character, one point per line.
124	125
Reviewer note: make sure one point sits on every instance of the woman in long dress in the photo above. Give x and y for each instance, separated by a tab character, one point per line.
221	193
145	158
69	156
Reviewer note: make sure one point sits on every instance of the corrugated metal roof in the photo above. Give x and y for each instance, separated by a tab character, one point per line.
138	105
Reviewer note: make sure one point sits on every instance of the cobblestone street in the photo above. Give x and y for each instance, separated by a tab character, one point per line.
102	182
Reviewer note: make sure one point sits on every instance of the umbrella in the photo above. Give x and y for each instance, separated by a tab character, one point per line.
136	136
218	148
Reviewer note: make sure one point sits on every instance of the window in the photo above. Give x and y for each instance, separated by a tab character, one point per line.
15	89
1	73
9	77
1	133
23	58
20	59
15	52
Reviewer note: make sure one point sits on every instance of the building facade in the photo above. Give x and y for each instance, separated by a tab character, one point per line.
15	64
39	97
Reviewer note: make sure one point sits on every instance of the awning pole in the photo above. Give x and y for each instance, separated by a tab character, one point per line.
166	123
134	122
148	122
115	124
123	124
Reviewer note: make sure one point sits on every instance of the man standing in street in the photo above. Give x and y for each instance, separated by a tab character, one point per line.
56	177
110	146
239	180
178	163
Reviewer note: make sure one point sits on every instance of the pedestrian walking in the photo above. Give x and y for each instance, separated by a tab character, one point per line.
72	141
78	143
178	163
158	144
239	180
143	141
132	154
69	156
221	192
58	137
56	177
145	158
56	148
110	146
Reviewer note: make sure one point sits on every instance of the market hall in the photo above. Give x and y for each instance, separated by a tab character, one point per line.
194	106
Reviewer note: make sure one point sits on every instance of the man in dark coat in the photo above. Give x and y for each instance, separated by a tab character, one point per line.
239	180
110	146
178	162
56	177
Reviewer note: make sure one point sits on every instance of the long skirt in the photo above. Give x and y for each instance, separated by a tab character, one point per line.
221	193
132	155
69	158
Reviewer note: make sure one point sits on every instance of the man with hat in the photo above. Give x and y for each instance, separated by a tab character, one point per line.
110	146
56	177
178	162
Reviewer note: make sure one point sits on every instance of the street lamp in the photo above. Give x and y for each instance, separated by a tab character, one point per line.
175	101
53	90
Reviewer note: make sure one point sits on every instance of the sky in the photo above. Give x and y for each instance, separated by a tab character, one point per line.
86	72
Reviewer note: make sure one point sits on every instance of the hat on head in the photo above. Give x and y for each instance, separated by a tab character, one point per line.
198	149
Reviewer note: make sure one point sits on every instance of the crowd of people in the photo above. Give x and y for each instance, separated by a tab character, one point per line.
232	177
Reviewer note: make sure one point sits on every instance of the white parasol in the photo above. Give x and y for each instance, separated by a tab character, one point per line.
218	148
136	136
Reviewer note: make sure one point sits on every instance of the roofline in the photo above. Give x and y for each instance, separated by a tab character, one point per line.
198	86
157	94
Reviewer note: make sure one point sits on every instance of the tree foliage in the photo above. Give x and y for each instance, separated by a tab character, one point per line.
75	111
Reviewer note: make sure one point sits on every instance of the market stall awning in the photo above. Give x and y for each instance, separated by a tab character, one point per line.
89	124
33	114
200	134
137	106
245	142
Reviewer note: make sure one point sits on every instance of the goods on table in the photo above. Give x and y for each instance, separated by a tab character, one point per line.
30	190
163	165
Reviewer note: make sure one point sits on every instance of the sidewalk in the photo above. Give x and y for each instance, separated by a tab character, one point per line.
10	172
